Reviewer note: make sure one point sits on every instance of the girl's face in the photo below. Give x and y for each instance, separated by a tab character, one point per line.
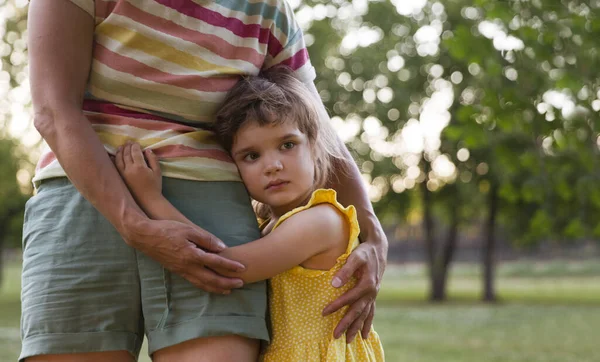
276	164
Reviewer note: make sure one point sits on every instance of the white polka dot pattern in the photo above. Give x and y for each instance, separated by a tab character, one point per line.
297	298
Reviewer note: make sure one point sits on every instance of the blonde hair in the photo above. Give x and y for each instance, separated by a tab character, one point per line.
272	98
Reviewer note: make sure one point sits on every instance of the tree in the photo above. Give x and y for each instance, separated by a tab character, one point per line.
483	105
12	198
14	99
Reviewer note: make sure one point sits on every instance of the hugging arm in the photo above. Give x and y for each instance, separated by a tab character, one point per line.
290	244
368	261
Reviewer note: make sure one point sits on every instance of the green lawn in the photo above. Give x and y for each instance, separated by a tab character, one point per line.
548	312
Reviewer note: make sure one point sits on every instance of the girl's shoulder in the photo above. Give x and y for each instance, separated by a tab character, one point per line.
327	222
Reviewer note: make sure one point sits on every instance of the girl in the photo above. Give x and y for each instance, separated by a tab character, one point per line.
284	154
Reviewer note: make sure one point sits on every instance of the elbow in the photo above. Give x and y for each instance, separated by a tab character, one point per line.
51	118
44	121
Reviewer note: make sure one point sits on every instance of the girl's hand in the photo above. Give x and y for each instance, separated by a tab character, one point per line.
143	179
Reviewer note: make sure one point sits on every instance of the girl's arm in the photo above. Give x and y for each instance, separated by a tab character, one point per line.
289	245
316	230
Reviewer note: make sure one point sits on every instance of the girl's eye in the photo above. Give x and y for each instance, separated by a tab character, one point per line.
288	145
252	156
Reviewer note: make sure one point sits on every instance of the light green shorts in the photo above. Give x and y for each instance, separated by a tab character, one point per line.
85	290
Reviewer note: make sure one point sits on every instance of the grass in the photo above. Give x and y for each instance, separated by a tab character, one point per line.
515	333
576	283
549	312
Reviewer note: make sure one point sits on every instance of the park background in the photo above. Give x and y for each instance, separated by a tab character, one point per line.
476	126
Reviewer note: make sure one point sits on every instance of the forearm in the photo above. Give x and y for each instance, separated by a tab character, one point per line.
254	272
352	191
159	208
292	243
87	164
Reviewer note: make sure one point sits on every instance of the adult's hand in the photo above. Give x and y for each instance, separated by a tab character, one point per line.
187	251
367	264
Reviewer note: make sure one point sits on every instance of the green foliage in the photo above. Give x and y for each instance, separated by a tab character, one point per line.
13	61
12	198
527	113
542	154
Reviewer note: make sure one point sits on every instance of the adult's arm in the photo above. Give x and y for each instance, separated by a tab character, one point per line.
60	51
368	261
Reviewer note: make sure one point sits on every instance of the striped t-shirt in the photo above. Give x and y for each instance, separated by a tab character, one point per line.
161	69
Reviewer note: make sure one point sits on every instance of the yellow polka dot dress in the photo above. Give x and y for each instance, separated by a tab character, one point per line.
297	298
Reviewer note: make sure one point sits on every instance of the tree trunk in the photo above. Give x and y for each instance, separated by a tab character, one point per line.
430	246
1	265
438	258
438	286
442	261
1	258
489	293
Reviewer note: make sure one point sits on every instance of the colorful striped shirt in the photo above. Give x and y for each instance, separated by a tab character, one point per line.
161	69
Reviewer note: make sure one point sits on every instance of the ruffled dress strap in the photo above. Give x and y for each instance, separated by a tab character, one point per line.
329	196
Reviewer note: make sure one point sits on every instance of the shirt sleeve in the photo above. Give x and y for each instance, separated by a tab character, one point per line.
287	47
87	5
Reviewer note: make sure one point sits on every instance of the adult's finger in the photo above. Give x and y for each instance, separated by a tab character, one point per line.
127	154
368	322
357	324
152	161
350	297
345	273
214	290
208	288
213	282
199	282
119	159
136	154
205	240
352	314
218	262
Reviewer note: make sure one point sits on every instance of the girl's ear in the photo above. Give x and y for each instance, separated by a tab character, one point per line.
318	175
261	210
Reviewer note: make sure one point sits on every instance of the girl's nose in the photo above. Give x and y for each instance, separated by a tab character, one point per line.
274	165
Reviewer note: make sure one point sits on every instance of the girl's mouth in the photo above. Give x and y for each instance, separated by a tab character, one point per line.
276	185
